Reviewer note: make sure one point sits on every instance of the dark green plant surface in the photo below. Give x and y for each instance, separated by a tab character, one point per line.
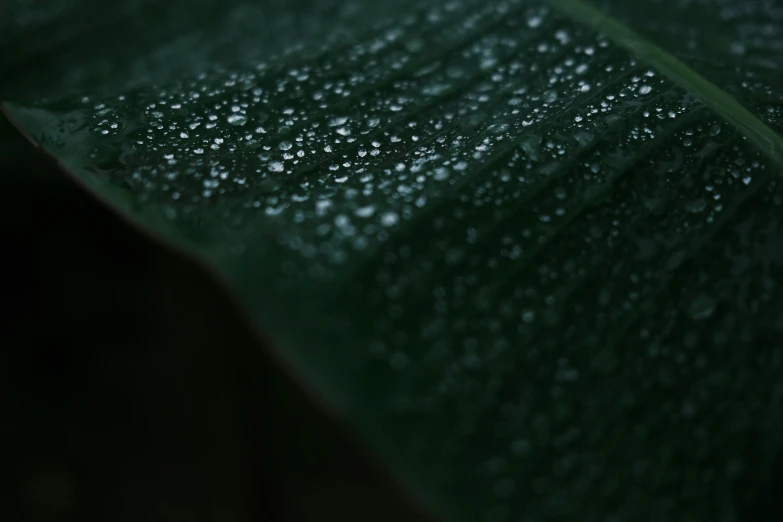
529	251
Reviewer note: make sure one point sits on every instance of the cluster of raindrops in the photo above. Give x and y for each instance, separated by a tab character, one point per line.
508	195
363	153
747	63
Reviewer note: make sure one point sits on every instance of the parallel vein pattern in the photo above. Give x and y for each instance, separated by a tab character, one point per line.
532	257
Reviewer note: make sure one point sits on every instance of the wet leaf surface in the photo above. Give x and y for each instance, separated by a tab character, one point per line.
530	251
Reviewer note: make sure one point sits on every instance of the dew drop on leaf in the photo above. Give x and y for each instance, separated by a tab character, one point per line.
236	119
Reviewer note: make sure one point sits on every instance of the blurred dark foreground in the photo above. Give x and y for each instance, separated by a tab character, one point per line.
131	390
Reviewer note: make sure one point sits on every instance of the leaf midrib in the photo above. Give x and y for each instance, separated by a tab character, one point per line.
725	105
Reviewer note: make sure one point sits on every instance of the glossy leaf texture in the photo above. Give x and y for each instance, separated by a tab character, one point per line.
530	251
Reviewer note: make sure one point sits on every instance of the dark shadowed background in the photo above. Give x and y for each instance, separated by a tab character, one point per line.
131	390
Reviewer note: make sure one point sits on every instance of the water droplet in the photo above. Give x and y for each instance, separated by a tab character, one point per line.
441	174
390	219
367	211
237	119
534	21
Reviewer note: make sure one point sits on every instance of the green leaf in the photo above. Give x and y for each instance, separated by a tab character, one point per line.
530	251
